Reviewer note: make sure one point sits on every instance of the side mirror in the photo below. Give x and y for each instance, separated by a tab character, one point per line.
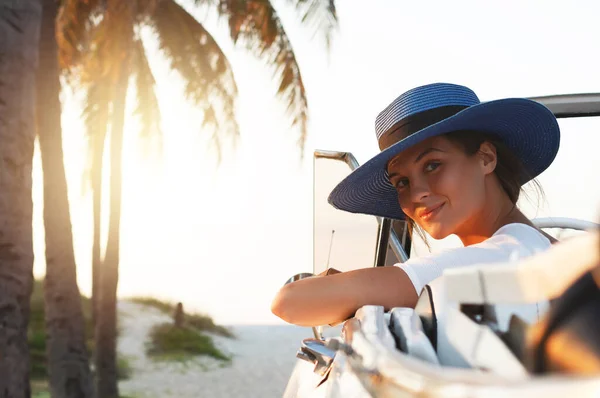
317	353
297	277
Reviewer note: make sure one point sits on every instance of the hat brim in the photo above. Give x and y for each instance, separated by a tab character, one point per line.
527	127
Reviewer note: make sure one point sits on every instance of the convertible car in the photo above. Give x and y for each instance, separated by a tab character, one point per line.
528	328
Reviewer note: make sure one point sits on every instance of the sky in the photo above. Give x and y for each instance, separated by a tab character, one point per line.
222	238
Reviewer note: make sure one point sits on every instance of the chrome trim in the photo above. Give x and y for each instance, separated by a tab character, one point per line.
351	161
387	372
393	374
571	105
297	277
395	245
565	223
346	157
318	353
383	239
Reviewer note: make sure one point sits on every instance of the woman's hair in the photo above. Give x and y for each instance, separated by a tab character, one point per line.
509	168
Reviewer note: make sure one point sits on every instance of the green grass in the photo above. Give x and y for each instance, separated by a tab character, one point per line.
40	389
171	343
36	336
124	368
201	322
163	306
36	333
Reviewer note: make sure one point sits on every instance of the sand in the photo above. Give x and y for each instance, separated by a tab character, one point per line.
262	360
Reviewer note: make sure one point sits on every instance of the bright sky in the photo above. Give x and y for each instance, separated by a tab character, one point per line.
223	239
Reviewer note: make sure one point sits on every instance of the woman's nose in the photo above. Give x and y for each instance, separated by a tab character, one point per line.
419	190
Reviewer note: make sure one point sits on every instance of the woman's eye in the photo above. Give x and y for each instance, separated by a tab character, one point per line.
402	183
432	166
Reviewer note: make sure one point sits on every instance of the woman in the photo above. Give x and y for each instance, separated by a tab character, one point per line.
449	165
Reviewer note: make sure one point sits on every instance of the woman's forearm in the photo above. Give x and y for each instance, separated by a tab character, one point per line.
330	299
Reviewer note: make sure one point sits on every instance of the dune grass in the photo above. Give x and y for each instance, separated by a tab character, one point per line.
40	389
171	343
194	320
36	336
163	306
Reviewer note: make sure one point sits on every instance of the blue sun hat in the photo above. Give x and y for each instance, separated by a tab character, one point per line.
526	127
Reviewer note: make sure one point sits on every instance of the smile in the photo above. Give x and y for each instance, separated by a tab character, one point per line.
429	214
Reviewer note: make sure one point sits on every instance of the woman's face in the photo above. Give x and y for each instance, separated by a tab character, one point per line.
439	186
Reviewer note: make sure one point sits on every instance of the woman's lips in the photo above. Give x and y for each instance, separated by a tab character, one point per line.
429	214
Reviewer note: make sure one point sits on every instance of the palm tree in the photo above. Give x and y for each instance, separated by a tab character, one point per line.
101	48
67	356
19	29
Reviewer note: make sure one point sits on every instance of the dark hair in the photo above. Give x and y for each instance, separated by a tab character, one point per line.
509	170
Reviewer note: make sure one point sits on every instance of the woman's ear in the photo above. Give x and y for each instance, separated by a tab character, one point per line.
488	156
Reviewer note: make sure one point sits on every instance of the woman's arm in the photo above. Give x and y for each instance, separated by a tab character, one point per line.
323	300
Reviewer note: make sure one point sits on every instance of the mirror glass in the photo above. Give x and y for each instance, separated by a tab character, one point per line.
342	240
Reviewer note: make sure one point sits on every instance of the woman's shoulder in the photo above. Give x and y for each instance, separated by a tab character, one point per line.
511	239
522	234
510	242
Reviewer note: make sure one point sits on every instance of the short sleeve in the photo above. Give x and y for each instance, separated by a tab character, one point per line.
510	243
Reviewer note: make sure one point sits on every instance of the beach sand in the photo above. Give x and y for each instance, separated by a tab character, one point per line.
262	360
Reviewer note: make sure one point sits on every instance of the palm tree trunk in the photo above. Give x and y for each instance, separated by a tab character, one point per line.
96	182
19	32
106	326
67	356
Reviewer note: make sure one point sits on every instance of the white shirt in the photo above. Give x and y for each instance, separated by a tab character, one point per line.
510	242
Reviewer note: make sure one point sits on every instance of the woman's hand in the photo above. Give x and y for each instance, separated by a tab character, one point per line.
329	271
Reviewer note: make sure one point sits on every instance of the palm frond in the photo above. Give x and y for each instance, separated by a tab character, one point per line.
120	16
144	9
93	60
193	52
109	40
256	25
147	108
101	67
215	139
319	15
74	20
